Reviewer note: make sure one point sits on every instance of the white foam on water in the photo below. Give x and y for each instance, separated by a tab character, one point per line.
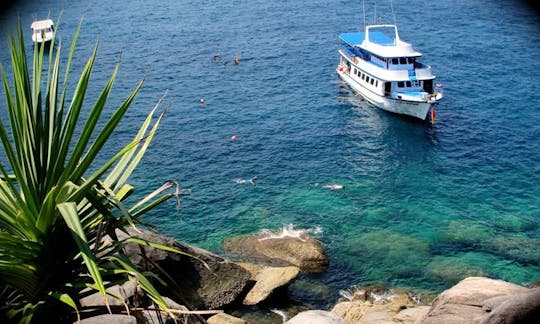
347	294
317	230
384	297
290	231
281	313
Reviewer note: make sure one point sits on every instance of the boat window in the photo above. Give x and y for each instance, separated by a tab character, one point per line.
410	60
402	60
395	61
408	84
400	84
363	76
367	79
371	81
376	83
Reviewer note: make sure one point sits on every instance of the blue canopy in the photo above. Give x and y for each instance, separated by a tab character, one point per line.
352	39
355	39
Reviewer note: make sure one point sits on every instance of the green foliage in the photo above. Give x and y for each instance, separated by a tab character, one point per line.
54	210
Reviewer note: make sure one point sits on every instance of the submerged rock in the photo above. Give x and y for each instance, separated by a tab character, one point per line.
302	250
197	279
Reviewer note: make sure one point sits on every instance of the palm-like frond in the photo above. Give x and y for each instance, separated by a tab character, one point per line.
53	210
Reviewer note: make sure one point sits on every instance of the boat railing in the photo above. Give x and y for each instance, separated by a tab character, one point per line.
351	52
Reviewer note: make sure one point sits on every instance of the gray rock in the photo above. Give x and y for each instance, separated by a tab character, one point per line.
268	280
517	308
464	302
124	292
110	319
316	317
223	318
198	279
304	252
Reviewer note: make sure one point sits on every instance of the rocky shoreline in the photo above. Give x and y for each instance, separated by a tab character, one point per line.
202	287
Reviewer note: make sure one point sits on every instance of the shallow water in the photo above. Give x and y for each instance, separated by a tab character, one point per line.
423	206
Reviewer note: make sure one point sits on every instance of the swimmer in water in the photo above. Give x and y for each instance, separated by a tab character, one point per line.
333	187
243	181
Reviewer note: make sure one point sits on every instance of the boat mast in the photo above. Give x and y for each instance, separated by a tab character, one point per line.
393	15
364	11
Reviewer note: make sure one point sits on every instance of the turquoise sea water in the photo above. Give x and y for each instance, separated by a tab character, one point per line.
423	206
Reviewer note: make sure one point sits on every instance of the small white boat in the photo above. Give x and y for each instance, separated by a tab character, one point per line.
42	31
386	72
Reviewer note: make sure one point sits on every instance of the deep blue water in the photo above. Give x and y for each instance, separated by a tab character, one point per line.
423	206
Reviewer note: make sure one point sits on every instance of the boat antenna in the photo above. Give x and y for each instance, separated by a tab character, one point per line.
393	15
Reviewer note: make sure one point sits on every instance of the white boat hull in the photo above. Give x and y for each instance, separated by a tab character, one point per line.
418	109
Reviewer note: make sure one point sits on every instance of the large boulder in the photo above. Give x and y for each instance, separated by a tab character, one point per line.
483	300
197	278
121	295
269	280
518	308
316	317
302	251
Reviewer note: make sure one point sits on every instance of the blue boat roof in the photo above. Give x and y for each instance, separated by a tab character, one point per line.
355	39
352	39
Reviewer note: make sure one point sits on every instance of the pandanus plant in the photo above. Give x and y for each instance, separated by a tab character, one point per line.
56	204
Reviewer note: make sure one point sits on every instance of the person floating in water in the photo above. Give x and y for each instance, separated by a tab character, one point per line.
236	59
333	186
244	181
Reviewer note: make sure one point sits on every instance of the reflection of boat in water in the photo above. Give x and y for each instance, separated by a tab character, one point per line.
42	31
385	71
